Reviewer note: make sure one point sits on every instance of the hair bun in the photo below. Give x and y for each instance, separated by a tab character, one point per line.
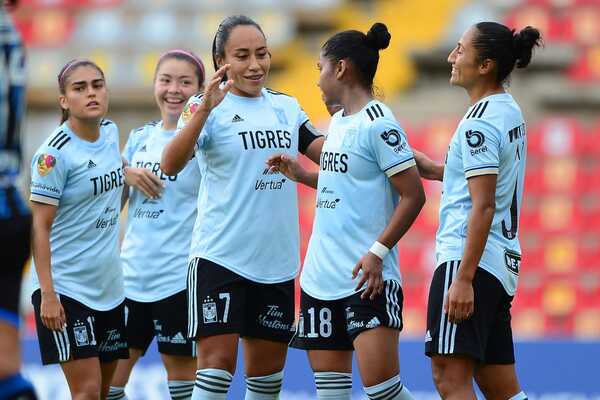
378	36
523	44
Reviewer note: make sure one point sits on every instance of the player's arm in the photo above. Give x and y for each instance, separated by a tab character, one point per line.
181	148
428	168
482	189
388	147
480	144
52	312
408	184
291	168
313	151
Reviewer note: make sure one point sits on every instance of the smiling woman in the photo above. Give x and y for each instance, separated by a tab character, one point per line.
241	277
162	211
76	184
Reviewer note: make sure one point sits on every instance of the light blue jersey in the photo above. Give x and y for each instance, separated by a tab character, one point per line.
248	217
490	139
156	246
84	180
355	199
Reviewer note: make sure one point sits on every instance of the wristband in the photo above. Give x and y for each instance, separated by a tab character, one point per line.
379	250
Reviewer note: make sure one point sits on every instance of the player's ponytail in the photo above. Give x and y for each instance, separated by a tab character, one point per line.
523	44
64	74
494	41
222	35
362	50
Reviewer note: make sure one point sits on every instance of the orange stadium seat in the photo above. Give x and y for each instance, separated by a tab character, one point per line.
582	25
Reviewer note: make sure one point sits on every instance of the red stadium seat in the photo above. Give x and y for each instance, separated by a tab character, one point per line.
45	28
541	17
557	137
587	66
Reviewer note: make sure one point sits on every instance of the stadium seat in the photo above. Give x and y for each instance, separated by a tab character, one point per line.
559	298
587	67
587	323
528	323
557	137
541	17
582	24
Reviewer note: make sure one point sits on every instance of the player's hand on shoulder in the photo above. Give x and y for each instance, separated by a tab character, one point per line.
288	166
214	93
372	275
145	181
460	302
52	313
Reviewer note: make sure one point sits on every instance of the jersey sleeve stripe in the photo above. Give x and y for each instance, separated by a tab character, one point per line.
370	115
481	171
379	108
482	166
42	198
399	167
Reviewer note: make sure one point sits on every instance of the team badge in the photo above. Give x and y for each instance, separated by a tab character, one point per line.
188	111
209	311
81	336
45	163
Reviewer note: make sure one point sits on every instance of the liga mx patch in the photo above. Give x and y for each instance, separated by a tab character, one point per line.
45	163
188	111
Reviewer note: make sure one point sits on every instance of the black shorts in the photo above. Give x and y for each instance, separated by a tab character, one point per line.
15	236
486	336
164	319
334	324
89	333
221	302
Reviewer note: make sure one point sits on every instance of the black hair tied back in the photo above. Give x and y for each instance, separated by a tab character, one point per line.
523	44
378	36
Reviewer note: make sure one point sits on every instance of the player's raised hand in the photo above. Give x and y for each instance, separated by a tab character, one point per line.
460	302
214	93
288	166
372	275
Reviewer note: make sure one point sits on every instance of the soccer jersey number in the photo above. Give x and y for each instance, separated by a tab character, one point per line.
324	322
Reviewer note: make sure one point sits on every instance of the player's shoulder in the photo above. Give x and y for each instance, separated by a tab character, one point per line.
141	130
59	141
280	98
492	110
377	117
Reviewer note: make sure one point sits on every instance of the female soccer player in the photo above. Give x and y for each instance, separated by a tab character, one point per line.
478	253
76	184
162	211
245	246
366	164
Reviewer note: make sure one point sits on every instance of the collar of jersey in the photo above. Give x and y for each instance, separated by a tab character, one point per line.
249	100
158	129
497	96
90	145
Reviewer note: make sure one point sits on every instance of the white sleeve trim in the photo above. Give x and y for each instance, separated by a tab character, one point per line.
404	165
40	198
